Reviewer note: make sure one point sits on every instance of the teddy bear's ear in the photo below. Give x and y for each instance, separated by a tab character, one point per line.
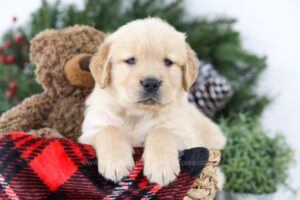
41	42
100	66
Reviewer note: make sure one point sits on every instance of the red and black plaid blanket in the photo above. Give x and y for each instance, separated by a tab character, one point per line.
42	168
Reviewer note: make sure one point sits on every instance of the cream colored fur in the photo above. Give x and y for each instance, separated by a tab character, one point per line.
115	121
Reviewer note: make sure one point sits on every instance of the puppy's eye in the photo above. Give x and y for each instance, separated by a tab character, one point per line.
130	61
168	62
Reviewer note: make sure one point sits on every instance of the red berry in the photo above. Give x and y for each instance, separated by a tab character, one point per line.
19	39
1	49
8	44
10	94
10	59
13	86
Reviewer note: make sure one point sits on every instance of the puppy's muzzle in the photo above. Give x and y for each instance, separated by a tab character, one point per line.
150	85
150	90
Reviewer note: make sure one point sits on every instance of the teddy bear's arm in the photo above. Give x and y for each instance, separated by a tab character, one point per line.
28	115
46	132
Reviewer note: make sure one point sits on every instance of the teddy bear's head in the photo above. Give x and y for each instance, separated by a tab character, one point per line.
62	57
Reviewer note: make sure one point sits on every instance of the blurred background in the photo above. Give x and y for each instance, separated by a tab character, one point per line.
253	44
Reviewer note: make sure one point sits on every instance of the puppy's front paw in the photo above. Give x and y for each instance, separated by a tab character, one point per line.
220	178
161	168
220	141
116	164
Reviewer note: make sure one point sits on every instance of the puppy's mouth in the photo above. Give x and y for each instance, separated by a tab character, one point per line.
149	101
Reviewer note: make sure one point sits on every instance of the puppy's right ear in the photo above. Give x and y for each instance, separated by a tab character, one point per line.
100	66
190	69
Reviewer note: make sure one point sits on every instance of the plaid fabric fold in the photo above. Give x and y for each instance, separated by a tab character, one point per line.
42	168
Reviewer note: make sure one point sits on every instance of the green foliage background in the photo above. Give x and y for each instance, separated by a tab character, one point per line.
252	161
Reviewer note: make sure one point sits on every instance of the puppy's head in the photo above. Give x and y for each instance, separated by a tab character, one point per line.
145	63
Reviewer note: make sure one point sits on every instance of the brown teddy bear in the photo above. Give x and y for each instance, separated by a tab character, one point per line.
62	59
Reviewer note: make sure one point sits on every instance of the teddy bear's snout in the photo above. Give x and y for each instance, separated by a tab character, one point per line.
77	70
84	63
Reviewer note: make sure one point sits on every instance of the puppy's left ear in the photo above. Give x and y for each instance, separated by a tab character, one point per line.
190	69
100	66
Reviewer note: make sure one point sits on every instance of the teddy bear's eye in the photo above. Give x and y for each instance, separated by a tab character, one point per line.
77	51
168	62
130	61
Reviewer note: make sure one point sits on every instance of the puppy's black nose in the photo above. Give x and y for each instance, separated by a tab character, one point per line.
150	84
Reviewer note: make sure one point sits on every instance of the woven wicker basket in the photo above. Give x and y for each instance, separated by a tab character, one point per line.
205	187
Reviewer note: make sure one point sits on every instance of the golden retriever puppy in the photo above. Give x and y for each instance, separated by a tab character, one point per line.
143	72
